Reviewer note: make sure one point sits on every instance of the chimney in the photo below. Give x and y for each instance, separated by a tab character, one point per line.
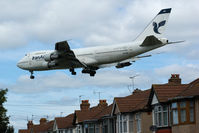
42	121
85	105
102	103
175	79
137	91
30	125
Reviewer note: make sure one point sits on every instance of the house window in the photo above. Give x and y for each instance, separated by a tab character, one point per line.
183	112
125	123
60	131
174	108
191	111
97	128
138	121
91	128
120	123
105	126
130	123
86	128
78	129
161	116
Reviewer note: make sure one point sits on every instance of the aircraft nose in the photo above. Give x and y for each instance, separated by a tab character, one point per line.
19	64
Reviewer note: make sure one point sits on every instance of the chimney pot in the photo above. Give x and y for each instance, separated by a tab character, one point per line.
102	103
137	91
85	105
175	79
30	125
42	121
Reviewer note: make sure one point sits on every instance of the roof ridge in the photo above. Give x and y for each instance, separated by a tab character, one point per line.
190	85
102	110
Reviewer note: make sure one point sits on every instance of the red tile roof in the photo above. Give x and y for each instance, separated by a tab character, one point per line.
191	90
64	122
136	101
24	131
105	112
48	126
164	92
91	114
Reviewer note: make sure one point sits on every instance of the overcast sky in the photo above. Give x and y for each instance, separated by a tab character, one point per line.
32	25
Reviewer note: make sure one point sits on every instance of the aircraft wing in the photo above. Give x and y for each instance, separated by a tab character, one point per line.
127	61
68	55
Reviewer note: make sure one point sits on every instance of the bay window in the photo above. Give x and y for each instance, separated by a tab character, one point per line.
125	123
183	112
161	116
174	108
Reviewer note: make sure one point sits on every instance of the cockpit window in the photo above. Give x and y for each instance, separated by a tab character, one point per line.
25	54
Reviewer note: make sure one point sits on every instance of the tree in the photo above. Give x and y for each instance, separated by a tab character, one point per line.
10	129
4	120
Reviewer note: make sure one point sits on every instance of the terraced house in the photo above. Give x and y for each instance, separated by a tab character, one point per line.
132	114
175	106
172	107
93	120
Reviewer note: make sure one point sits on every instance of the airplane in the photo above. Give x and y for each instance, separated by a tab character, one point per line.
93	58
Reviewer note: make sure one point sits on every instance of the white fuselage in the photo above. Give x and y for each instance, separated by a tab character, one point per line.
92	56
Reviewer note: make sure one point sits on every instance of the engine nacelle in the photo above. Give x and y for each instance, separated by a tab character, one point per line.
51	56
164	40
50	64
121	65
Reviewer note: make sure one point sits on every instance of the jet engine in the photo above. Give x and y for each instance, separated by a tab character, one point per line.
51	56
121	65
50	64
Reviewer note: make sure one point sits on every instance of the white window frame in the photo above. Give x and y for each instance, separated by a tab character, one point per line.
130	119
156	113
138	122
121	118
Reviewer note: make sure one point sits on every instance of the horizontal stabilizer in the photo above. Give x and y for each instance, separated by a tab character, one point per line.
150	41
175	42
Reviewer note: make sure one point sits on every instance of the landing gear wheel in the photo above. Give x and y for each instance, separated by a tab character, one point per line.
32	77
74	73
72	70
92	74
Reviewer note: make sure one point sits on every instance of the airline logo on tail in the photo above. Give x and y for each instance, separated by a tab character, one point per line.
157	26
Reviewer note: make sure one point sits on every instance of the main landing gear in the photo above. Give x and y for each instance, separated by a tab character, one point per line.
85	70
32	76
89	71
72	70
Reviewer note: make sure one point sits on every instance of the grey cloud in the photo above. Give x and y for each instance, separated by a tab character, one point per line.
92	22
188	72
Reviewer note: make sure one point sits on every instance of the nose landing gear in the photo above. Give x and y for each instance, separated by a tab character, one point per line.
32	76
72	71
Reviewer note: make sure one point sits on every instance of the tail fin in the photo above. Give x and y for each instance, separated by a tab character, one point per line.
157	26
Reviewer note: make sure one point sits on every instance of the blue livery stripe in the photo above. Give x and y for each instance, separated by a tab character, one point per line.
168	10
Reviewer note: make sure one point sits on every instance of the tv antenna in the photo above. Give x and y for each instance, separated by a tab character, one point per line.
132	79
97	92
80	98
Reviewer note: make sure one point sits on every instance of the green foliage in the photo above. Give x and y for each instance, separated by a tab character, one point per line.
10	129
4	120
